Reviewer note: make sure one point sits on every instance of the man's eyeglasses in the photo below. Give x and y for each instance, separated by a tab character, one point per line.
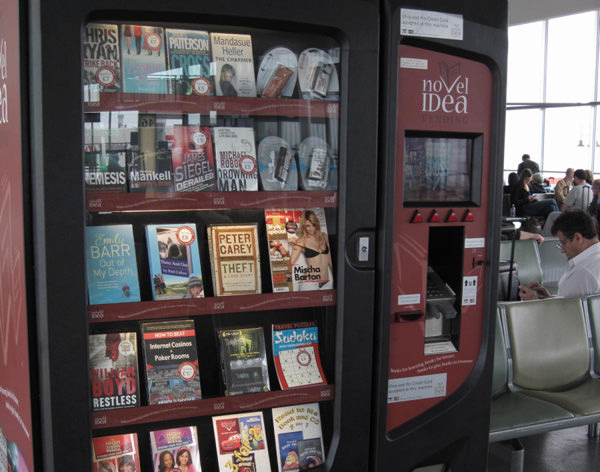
561	244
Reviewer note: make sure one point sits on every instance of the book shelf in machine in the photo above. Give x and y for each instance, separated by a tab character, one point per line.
211	241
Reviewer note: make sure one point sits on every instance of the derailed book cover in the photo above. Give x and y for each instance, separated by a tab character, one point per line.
193	160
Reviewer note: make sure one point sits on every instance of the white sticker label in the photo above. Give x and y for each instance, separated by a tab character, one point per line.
431	24
471	243
469	292
411	299
416	388
413	63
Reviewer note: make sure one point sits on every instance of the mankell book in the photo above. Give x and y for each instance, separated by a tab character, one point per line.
244	360
115	453
112	275
193	160
114	371
235	153
171	358
232	55
176	446
174	261
241	442
189	62
234	259
298	437
101	59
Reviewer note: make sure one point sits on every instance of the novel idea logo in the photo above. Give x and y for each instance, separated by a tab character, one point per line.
448	93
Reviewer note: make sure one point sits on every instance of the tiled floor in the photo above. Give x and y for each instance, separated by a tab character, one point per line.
568	450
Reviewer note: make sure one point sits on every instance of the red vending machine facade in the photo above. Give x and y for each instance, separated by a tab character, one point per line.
215	300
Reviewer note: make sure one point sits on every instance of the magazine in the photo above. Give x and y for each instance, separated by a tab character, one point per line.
178	446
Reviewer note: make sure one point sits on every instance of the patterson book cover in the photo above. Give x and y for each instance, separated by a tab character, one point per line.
189	62
114	371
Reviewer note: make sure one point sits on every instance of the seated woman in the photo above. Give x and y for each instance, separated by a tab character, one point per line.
525	203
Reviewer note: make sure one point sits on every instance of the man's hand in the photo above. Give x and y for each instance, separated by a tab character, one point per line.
533	291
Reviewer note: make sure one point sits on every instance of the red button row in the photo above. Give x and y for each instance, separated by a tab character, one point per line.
434	217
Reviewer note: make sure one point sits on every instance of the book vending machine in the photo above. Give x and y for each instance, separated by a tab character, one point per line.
203	192
445	75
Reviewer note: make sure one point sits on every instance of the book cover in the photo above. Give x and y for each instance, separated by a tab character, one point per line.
235	153
174	261
281	225
296	355
112	275
276	165
172	371
234	259
101	60
189	62
105	168
244	360
241	442
298	437
114	371
193	160
118	453
143	59
176	449
234	62
277	73
149	165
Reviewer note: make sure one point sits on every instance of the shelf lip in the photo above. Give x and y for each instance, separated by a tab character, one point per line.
210	406
187	104
208	306
121	201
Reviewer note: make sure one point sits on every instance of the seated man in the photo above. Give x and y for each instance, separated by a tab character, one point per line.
562	187
579	241
580	196
537	183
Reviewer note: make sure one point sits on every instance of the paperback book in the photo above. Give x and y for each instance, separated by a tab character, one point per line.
143	59
174	261
177	446
235	153
115	453
234	64
172	371
296	355
193	160
112	275
243	360
189	62
101	60
241	442
298	437
234	259
105	168
114	371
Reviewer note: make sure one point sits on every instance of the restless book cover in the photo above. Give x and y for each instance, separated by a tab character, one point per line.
193	159
172	371
112	275
176	449
241	442
296	355
174	261
244	360
115	453
234	259
189	62
235	154
234	62
143	59
114	371
298	437
101	60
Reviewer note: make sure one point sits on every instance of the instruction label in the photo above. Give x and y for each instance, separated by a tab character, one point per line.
417	388
431	24
469	291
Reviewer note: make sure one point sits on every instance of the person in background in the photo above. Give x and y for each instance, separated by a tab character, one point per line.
527	163
594	208
562	187
589	176
537	183
513	178
527	204
579	241
580	196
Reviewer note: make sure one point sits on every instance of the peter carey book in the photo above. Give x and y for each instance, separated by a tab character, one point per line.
234	63
176	446
112	275
143	58
114	371
189	62
101	59
171	358
235	154
115	453
243	360
241	442
174	261
234	259
298	437
193	160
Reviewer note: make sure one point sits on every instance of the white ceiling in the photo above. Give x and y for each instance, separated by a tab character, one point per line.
526	11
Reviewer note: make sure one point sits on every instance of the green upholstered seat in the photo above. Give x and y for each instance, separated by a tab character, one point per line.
527	257
582	400
554	263
594	312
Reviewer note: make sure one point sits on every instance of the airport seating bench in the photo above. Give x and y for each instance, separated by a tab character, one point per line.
545	377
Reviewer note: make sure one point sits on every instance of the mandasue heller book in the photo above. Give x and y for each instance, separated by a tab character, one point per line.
234	63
